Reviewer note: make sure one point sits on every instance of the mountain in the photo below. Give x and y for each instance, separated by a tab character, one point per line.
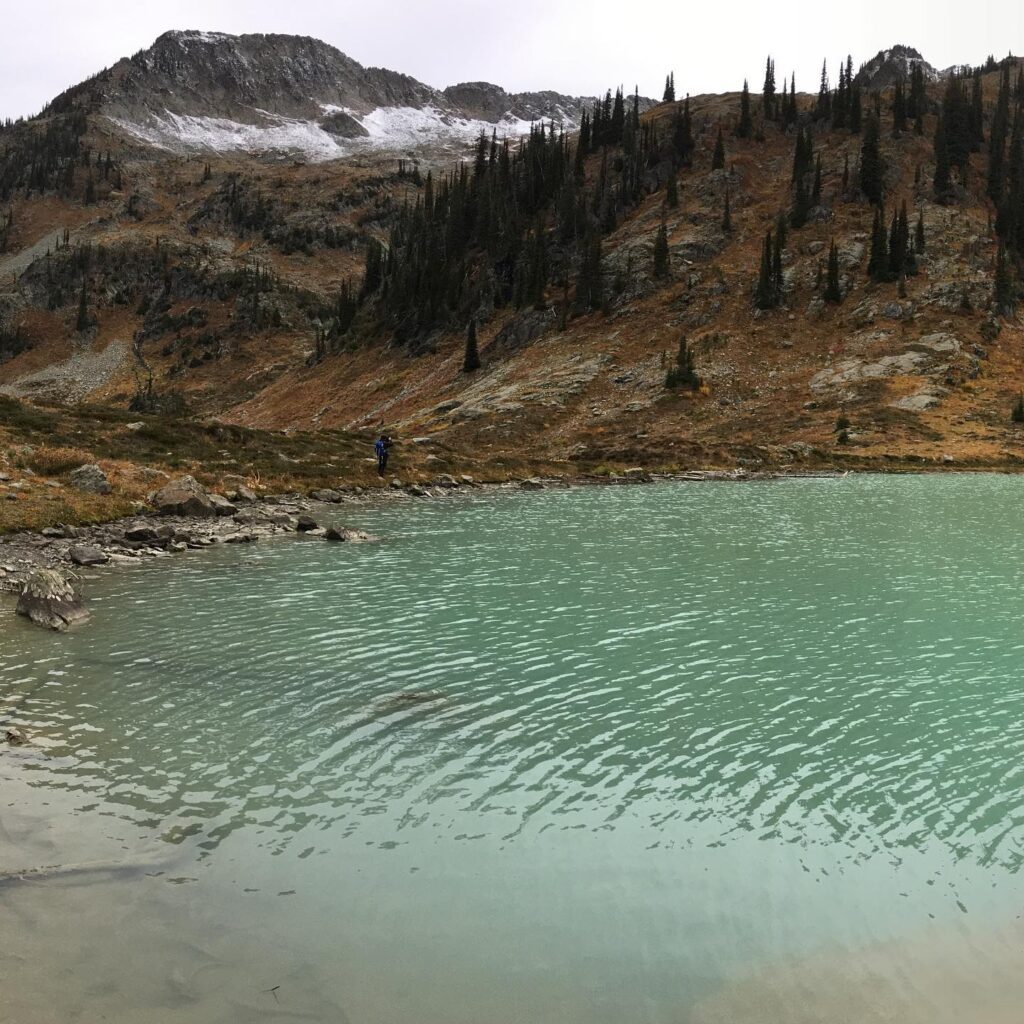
310	295
894	65
213	92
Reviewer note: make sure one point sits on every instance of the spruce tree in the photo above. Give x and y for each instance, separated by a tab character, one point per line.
878	260
82	321
672	192
942	181
769	89
683	374
670	88
764	294
745	128
661	264
919	233
871	169
1002	292
471	360
833	293
718	158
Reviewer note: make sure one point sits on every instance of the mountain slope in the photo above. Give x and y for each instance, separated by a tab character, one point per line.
220	287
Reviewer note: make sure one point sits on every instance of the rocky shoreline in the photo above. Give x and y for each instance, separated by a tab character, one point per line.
184	517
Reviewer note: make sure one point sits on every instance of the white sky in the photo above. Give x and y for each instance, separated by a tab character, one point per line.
573	46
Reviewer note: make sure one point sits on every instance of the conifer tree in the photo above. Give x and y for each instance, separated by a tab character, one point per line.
672	192
670	88
997	139
878	260
1002	292
816	191
855	110
899	109
871	169
764	294
661	250
718	158
82	321
727	215
824	108
471	360
769	89
833	293
941	181
683	374
745	128
899	238
919	233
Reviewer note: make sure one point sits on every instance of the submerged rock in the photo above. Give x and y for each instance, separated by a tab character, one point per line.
532	484
185	496
335	533
49	599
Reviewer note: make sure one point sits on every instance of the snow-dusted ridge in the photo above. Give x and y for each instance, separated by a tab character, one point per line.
386	129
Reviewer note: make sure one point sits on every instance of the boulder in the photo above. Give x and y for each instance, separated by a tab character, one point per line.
326	494
86	555
184	497
264	517
447	481
49	599
222	505
305	523
89	479
533	484
142	532
243	495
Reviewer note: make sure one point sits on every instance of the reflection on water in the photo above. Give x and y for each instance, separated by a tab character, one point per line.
648	754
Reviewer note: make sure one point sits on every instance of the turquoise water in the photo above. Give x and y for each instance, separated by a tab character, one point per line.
694	752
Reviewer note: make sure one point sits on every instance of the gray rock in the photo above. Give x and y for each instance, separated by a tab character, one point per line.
447	481
222	505
243	495
815	247
304	524
919	402
336	534
90	479
48	599
184	497
86	555
142	532
532	484
326	494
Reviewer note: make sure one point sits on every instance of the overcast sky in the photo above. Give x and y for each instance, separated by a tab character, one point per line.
573	46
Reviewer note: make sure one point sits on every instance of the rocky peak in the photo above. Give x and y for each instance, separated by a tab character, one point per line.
290	95
890	66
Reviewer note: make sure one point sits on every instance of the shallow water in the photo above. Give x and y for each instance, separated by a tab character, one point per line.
691	753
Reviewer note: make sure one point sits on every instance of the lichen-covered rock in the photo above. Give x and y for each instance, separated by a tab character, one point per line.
89	479
185	496
49	599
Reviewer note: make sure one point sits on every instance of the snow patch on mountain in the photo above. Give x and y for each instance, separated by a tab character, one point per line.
387	129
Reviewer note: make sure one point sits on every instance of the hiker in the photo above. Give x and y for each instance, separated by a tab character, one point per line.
383	449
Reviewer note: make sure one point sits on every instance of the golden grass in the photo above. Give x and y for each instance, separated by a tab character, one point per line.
54	461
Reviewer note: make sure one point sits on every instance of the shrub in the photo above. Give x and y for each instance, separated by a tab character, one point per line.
55	461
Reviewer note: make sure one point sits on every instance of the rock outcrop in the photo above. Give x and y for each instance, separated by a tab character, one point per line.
49	599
